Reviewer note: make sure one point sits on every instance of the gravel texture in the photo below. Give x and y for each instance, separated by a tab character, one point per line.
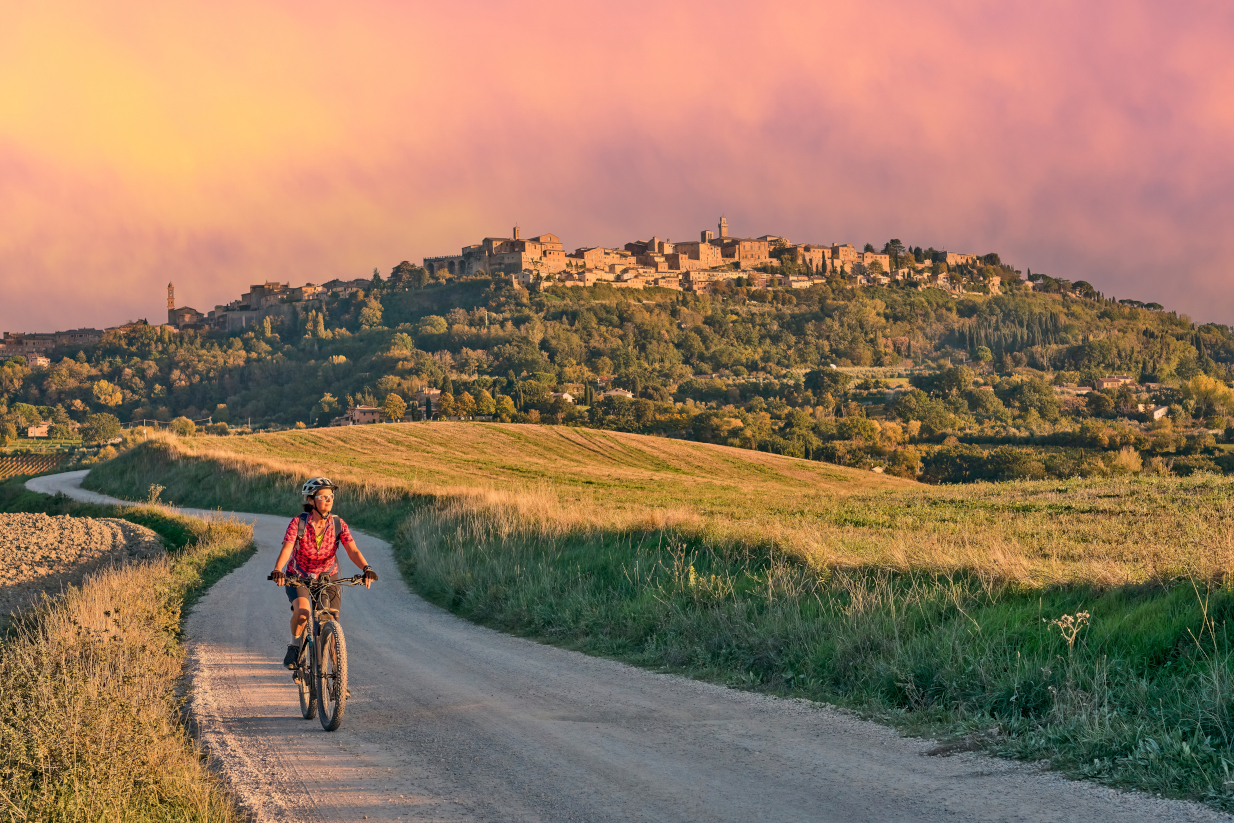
48	553
449	721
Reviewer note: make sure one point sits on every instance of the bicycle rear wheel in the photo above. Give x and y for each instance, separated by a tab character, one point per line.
305	677
332	675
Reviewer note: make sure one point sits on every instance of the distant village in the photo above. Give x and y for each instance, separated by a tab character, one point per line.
696	266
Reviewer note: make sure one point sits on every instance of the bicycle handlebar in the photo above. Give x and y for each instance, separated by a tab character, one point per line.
318	582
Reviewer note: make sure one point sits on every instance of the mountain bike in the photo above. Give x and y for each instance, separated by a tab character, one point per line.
321	668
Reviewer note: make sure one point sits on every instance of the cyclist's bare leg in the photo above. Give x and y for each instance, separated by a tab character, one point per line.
299	617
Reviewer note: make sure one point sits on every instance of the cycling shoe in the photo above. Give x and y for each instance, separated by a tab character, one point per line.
293	653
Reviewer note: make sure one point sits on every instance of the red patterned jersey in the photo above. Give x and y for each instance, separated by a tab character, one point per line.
317	551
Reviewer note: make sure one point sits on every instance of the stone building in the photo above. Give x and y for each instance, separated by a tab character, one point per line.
866	260
844	257
745	251
954	259
504	255
599	258
815	258
702	254
12	343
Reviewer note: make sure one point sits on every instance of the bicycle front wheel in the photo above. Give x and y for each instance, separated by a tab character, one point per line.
332	675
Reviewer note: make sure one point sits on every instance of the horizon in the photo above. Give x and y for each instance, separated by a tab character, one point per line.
219	145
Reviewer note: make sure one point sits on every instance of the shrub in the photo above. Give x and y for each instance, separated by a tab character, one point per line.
100	428
184	427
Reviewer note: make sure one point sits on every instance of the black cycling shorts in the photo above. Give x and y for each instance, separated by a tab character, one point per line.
334	596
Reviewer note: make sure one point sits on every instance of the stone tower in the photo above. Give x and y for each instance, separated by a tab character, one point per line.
516	233
171	303
724	227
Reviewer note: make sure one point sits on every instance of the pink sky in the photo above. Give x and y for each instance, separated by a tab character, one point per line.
220	144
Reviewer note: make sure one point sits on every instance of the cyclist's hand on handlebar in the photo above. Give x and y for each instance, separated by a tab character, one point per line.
370	576
278	577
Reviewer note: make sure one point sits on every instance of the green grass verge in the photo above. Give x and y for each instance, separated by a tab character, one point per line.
89	718
1143	699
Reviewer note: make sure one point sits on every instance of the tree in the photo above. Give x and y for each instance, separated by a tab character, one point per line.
370	315
857	427
485	404
8	433
896	251
1209	396
101	428
930	412
504	409
955	379
432	325
325	407
394	408
184	427
466	405
827	381
1038	395
982	354
986	405
446	406
107	393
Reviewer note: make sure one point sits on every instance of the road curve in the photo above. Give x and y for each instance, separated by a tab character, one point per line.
449	721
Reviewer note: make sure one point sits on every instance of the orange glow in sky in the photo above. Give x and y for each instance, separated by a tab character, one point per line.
220	144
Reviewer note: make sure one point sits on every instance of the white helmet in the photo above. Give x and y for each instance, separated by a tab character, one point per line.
309	489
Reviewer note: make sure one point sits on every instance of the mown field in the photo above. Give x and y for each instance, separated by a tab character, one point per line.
943	610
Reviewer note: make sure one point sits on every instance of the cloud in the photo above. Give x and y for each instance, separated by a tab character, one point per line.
221	144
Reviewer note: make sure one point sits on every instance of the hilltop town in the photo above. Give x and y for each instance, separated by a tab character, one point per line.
697	266
714	261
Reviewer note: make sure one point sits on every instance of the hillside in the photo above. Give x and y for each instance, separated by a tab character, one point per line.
928	385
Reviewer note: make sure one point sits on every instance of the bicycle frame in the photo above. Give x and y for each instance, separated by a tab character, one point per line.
318	587
312	669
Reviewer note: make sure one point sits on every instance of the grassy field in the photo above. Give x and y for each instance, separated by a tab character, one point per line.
1106	533
89	718
942	610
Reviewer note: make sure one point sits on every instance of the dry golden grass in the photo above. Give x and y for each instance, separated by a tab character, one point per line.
90	727
556	479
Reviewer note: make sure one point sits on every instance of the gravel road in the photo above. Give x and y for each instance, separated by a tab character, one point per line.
48	553
449	721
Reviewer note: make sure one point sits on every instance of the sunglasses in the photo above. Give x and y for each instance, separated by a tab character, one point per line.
326	497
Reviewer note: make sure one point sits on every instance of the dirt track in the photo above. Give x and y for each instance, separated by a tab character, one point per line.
450	721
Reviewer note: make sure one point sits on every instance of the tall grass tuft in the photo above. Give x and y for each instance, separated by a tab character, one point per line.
89	721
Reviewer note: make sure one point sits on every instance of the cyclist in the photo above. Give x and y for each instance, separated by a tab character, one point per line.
311	544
